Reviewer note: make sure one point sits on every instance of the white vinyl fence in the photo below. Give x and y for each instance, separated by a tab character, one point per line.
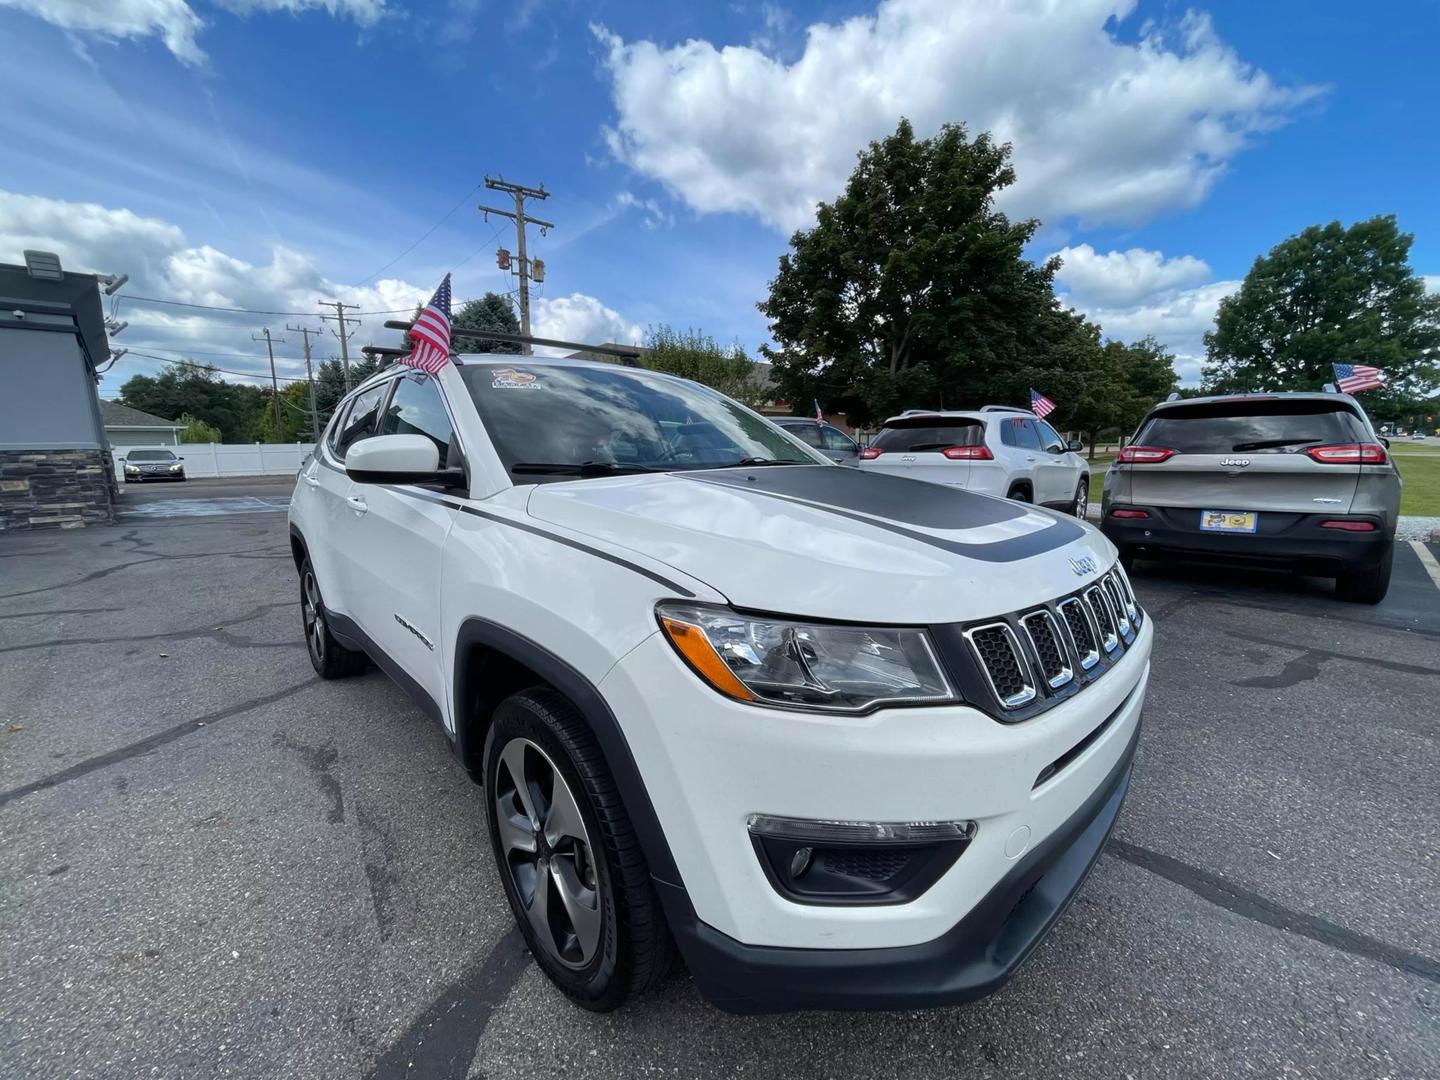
229	459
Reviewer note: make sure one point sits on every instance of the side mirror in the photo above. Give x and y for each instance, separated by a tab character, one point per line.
393	459
180	458
1075	446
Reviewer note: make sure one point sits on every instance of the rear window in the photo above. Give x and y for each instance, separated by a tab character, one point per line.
1251	427
921	433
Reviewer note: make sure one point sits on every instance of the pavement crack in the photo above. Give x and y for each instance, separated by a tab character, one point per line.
442	1041
219	634
96	575
153	742
319	760
381	874
1252	905
1313	655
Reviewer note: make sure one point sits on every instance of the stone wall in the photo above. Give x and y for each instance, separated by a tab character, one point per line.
42	489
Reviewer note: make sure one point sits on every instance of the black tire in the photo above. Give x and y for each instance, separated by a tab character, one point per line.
634	951
1019	493
328	657
1081	503
1368	585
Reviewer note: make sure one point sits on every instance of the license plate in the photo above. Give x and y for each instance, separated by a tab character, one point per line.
1243	521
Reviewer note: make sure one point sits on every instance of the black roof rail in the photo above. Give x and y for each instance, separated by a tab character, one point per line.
1004	408
629	356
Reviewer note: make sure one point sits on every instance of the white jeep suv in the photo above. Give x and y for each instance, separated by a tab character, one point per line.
998	450
844	740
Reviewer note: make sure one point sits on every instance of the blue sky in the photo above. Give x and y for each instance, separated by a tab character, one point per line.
263	153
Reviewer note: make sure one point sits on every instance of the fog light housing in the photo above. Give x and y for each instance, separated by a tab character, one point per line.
855	862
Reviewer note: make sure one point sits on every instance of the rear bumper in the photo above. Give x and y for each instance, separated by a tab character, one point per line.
975	957
1291	541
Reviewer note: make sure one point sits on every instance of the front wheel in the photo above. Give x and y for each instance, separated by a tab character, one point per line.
567	855
1370	584
1019	493
328	657
1081	507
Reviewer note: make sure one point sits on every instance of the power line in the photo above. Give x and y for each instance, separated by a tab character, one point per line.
340	319
212	367
422	239
250	311
274	383
524	270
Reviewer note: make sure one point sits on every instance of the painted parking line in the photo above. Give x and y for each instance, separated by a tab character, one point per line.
234	504
1427	561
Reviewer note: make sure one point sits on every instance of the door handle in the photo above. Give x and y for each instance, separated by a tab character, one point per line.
356	503
311	480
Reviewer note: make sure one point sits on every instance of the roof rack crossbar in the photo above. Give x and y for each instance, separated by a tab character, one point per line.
629	354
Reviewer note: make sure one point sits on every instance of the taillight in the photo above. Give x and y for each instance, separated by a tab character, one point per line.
968	453
1130	513
870	453
1348	526
1351	453
1144	455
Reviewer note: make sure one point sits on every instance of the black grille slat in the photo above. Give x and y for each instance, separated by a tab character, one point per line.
999	654
1080	632
1045	637
873	864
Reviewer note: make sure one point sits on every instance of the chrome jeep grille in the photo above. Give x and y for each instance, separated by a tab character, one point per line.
1042	654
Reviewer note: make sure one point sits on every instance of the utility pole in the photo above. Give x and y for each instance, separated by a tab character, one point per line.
526	272
274	382
340	319
305	331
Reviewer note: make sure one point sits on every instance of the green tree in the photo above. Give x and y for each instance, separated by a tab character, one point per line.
198	431
1328	295
330	382
196	390
694	355
911	288
491	312
294	416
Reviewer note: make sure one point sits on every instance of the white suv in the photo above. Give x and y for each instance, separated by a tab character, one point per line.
998	451
844	740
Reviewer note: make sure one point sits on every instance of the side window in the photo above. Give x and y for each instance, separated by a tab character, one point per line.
835	439
417	409
1029	437
1049	439
359	422
336	425
1012	431
809	434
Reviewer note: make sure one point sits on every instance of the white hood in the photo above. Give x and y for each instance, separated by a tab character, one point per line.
837	543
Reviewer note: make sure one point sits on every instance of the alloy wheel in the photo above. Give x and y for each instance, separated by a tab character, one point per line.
548	853
314	616
1082	500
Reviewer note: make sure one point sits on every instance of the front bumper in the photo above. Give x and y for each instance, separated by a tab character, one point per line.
1288	540
973	958
708	763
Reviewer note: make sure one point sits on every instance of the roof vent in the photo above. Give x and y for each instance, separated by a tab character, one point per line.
44	265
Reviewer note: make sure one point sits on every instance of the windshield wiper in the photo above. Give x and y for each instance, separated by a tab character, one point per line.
1270	444
583	468
748	462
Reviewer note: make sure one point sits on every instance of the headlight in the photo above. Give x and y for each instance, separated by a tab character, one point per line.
805	665
132	468
175	467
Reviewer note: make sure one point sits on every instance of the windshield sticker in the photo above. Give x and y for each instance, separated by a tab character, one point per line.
512	379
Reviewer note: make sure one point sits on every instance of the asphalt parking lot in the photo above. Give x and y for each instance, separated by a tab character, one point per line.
214	864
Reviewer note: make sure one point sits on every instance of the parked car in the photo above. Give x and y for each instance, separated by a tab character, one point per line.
997	451
1293	480
827	438
723	695
153	465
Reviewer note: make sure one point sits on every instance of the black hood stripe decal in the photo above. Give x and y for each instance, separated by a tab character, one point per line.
1059	534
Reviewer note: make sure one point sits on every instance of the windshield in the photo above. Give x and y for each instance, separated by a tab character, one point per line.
616	420
925	433
150	455
1279	427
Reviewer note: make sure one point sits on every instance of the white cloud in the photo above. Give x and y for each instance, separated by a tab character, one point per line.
655	215
578	317
175	22
1123	278
1103	130
1138	293
163	263
1432	282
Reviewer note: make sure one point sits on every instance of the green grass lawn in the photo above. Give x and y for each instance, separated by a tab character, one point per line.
1419	466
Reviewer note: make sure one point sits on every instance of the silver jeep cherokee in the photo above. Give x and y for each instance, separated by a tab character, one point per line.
1293	480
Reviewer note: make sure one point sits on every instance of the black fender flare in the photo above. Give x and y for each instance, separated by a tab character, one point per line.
592	705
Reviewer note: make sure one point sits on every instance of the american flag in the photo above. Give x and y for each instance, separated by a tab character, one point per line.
1352	378
431	333
819	416
1040	405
